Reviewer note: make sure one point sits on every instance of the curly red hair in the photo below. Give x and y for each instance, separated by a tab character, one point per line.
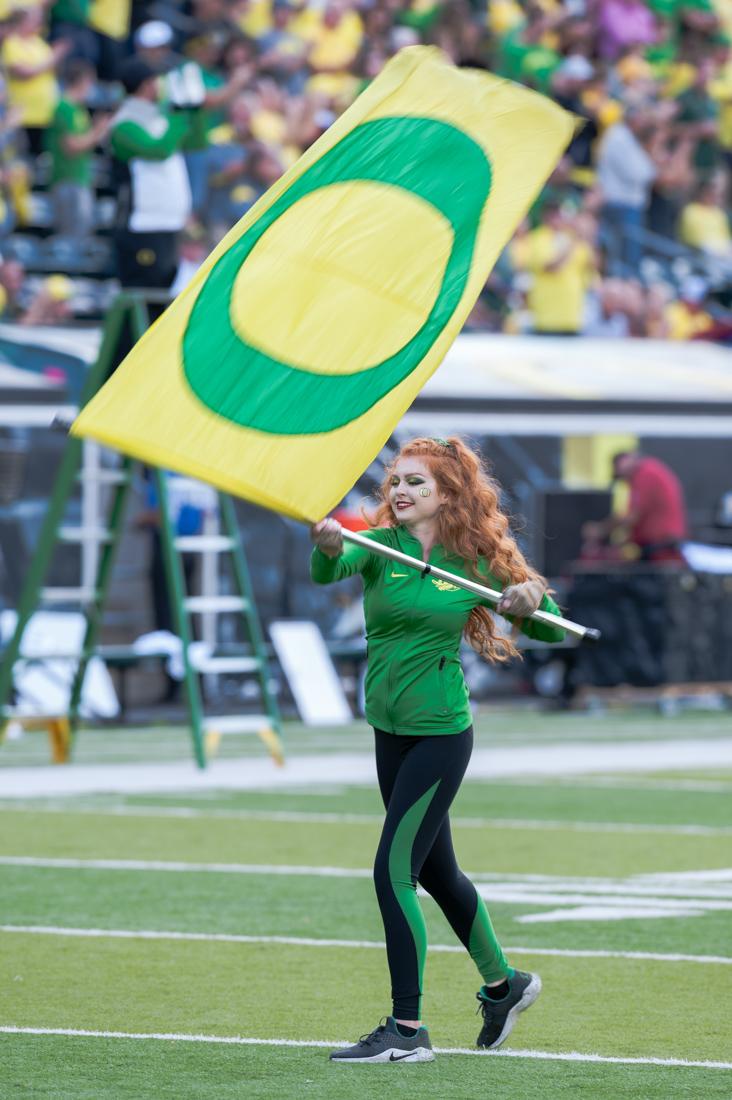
472	526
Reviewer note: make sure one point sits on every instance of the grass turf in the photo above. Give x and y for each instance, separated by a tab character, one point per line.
254	990
262	905
615	1007
582	800
499	725
60	1068
348	844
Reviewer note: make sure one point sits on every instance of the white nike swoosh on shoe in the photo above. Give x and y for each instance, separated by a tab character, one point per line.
419	1054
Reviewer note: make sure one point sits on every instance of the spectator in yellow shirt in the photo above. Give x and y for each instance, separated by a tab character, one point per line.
30	68
704	223
687	319
337	38
562	266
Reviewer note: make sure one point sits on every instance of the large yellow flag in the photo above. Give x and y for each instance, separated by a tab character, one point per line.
281	370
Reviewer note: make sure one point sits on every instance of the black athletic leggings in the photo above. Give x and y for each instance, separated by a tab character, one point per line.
419	778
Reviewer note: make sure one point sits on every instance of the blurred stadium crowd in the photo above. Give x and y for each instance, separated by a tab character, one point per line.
134	135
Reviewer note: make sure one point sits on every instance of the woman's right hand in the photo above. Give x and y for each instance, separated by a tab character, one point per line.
328	537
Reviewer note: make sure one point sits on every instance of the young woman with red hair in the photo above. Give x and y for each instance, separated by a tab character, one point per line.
437	504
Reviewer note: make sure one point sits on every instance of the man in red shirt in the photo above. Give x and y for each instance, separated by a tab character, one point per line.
656	516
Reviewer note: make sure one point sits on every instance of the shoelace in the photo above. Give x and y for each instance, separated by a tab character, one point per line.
486	1007
371	1037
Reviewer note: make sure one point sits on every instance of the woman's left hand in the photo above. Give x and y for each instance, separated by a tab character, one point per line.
521	600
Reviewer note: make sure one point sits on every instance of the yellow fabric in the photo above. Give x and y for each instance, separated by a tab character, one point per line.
59	288
111	18
681	76
704	227
556	298
633	68
723	11
583	177
269	127
333	287
609	112
38	96
337	47
289	154
341	87
684	323
721	89
221	135
256	19
19	186
587	459
503	15
307	24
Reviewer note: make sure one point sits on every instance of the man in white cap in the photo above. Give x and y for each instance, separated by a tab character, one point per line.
153	192
184	86
153	42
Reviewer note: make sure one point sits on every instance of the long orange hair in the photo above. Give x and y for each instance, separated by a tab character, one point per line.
471	526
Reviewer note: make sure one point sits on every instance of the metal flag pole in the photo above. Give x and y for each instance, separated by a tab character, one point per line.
583	633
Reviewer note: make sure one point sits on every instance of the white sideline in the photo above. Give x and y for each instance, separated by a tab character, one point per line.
701	885
180	866
307	817
237	1040
357	768
307	941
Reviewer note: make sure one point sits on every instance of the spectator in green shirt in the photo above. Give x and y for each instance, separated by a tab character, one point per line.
192	82
699	119
205	53
72	136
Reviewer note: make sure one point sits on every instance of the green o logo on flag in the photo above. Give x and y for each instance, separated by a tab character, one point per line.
432	161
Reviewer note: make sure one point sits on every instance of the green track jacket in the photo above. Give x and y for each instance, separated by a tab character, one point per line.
415	684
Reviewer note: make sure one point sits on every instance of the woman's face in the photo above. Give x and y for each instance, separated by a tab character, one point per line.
413	493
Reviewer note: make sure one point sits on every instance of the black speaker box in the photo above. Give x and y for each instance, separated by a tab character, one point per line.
560	516
658	626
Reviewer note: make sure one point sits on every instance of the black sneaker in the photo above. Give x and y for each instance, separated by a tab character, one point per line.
387	1044
500	1016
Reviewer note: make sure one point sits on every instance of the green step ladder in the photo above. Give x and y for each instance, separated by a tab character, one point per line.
128	319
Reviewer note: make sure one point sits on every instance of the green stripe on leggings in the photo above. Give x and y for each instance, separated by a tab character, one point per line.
400	873
484	948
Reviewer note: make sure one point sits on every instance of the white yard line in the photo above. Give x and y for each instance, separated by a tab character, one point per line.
641	896
238	1040
179	866
615	782
696	884
306	941
357	769
307	817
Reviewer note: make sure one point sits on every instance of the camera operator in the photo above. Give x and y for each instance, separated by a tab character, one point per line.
655	520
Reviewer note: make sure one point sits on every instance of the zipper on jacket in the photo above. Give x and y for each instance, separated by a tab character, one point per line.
409	619
389	688
441	677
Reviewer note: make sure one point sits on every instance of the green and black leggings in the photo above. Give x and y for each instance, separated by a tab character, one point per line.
419	778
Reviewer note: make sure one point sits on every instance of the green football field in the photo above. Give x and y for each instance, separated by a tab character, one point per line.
216	943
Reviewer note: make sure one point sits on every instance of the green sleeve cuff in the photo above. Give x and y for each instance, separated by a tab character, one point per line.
542	632
323	569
